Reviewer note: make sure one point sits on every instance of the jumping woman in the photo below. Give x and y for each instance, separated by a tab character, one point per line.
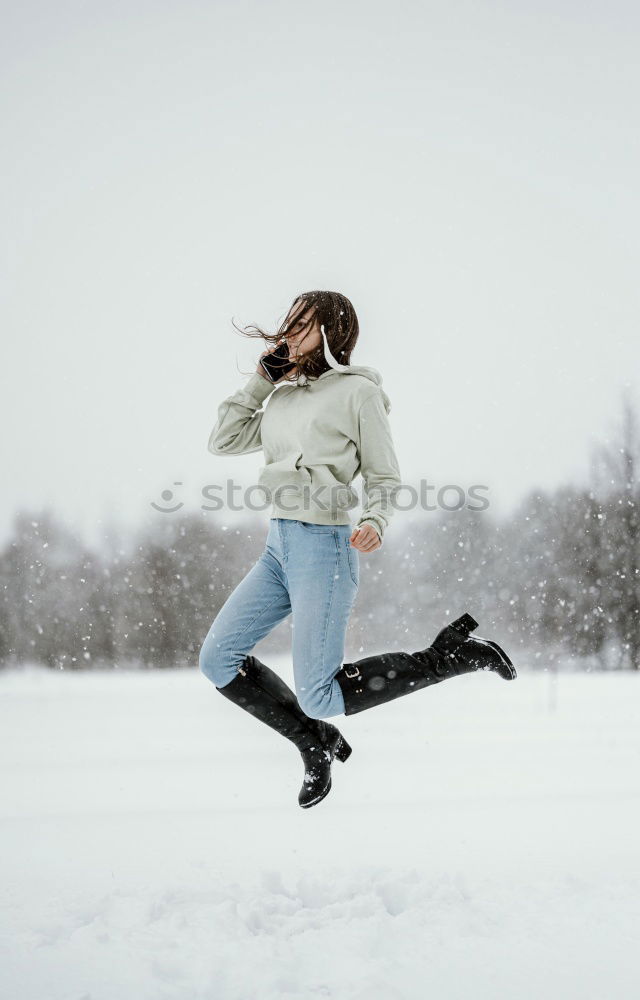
325	424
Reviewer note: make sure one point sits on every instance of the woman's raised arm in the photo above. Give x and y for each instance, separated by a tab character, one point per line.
237	429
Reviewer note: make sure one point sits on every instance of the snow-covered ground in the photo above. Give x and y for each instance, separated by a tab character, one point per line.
481	842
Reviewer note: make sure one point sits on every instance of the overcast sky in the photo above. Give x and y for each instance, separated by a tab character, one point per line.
465	172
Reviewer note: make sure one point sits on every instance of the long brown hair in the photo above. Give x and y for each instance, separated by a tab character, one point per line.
334	312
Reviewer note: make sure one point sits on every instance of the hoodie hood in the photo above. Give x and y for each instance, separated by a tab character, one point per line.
371	373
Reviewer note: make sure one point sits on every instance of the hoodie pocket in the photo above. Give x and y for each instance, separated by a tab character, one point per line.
285	472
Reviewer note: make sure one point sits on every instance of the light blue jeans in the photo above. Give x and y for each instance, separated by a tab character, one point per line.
309	571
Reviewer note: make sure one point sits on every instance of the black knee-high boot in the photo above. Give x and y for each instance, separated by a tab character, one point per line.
375	680
261	692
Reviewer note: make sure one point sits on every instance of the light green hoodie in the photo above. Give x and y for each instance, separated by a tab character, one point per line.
316	435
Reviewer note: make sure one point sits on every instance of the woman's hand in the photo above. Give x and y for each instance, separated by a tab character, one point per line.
365	538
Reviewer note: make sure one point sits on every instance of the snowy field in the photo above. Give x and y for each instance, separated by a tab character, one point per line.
483	841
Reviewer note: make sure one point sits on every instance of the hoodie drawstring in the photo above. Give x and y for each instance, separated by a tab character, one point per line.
329	358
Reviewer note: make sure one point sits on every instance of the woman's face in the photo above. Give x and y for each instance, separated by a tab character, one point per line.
302	341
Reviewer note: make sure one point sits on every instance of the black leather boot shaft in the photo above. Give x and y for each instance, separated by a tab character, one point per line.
262	692
375	680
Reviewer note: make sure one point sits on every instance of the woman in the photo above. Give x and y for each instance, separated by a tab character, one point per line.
317	432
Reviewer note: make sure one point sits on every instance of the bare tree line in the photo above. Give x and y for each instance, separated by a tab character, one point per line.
558	580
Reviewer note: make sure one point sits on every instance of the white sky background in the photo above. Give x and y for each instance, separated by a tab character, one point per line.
466	172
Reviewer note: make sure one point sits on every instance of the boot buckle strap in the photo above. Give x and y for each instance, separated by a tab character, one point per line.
354	670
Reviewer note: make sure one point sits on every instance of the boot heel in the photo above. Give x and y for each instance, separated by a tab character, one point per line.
343	750
465	624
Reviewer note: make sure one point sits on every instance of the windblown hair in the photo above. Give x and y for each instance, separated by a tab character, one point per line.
334	312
